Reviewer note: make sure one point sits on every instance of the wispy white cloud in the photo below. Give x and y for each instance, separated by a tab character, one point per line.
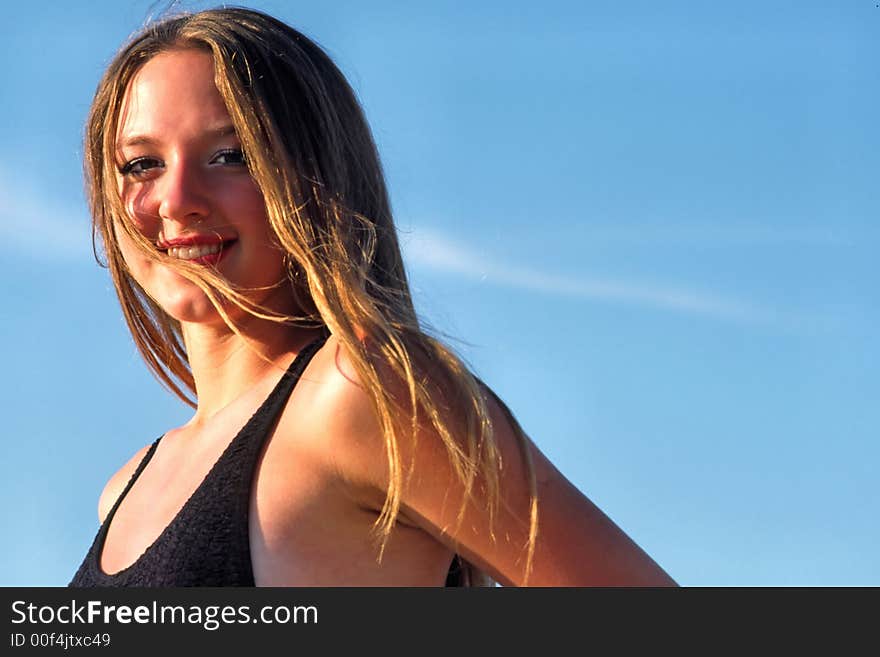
431	249
35	224
737	235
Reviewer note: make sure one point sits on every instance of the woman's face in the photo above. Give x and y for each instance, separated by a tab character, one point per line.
184	182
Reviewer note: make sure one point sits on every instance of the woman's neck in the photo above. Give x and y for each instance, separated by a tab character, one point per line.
225	364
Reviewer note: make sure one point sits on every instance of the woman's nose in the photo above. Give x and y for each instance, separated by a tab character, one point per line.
182	194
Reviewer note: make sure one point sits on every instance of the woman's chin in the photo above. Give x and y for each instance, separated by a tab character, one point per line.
187	303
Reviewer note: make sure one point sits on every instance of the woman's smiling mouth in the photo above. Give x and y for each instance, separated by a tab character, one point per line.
196	249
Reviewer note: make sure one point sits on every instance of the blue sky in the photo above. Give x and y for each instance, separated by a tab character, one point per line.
650	227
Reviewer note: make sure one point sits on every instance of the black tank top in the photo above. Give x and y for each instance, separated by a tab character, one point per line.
207	543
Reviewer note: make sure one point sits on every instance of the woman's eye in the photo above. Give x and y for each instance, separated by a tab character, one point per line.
233	156
139	166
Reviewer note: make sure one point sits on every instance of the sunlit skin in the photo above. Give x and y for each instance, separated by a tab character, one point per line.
322	479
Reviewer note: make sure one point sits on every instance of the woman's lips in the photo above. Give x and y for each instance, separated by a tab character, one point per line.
199	251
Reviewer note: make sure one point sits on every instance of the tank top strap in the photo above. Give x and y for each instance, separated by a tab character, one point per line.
262	421
137	473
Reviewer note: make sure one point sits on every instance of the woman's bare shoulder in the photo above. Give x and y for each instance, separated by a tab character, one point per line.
117	483
335	409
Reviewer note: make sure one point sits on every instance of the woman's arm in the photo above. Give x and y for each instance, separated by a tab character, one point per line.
577	544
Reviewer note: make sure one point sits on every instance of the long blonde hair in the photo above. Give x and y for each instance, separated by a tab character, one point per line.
311	153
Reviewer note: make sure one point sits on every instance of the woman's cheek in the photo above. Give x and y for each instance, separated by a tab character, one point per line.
141	208
135	259
135	199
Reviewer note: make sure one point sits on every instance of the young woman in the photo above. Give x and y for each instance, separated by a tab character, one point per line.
239	199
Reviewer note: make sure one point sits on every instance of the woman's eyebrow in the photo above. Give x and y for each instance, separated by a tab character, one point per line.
137	140
220	130
225	130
